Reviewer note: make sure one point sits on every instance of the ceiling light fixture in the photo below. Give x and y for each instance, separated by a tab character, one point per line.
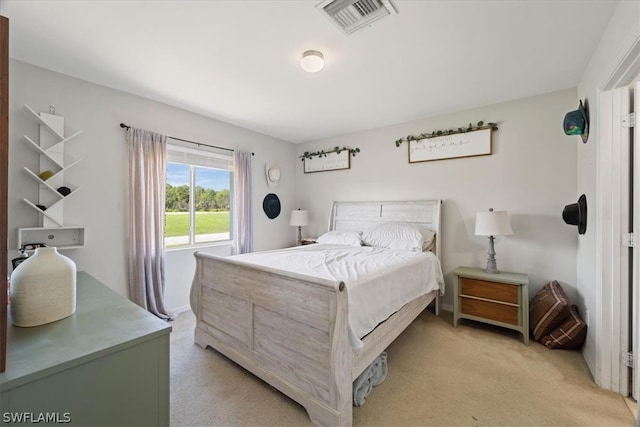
312	61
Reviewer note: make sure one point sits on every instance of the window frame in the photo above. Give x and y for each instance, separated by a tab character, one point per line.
218	159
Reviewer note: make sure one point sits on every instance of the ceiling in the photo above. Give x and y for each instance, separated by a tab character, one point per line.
238	61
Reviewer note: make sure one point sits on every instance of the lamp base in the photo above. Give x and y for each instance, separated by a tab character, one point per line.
299	240
492	268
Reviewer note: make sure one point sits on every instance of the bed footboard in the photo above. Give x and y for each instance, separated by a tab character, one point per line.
290	330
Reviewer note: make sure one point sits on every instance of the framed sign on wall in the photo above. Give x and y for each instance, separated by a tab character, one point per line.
327	162
467	144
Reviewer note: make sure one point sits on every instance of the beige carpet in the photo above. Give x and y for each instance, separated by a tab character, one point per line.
473	375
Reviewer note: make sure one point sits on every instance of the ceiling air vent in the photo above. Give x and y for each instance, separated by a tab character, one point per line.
352	15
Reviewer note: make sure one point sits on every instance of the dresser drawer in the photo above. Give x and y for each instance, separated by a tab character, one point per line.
489	290
489	310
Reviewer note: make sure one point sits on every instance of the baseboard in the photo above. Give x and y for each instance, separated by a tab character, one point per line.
179	310
633	407
446	307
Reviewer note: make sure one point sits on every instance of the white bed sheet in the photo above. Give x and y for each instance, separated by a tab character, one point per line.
379	281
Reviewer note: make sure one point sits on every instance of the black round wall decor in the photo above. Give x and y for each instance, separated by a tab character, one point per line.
271	205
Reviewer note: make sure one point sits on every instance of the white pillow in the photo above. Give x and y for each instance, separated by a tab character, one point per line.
429	241
396	236
351	238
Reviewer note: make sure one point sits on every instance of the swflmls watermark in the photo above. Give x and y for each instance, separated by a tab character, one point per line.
36	417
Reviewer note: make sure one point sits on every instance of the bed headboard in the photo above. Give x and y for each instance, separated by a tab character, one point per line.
358	216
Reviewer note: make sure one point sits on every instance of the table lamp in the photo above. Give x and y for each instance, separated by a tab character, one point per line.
492	223
299	218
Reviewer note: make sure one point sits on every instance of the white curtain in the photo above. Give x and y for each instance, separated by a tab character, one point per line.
147	171
242	221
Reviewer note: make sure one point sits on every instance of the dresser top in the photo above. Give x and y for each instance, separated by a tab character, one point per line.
104	322
502	276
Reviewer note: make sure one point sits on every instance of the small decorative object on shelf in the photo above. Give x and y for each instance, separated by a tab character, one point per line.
43	288
24	253
65	191
22	256
45	175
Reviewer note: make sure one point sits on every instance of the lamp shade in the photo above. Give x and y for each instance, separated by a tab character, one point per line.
493	223
312	61
299	218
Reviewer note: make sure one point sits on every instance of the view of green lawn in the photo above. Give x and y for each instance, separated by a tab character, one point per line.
177	223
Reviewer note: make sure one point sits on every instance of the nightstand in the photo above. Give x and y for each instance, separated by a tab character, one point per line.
308	241
500	299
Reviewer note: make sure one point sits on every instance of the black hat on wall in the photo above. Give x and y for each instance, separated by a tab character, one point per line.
576	214
271	205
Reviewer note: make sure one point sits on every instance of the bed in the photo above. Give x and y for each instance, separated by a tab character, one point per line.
293	329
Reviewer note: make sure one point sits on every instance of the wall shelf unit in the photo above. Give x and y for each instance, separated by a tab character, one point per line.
54	189
60	237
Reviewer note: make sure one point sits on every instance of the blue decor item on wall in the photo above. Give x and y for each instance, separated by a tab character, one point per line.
577	123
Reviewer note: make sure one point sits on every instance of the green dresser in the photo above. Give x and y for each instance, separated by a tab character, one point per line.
106	365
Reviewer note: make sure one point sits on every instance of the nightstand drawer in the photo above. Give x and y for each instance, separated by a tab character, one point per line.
489	290
489	310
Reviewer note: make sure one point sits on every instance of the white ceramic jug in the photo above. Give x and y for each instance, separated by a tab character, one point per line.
43	289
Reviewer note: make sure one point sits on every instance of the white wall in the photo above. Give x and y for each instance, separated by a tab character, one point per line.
101	205
622	31
531	173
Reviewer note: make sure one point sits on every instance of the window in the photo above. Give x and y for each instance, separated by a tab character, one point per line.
198	196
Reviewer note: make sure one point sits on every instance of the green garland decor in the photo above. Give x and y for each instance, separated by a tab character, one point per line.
323	153
437	133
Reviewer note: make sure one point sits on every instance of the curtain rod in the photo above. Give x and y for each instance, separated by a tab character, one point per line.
127	127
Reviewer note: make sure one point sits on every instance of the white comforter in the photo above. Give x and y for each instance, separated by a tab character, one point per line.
379	281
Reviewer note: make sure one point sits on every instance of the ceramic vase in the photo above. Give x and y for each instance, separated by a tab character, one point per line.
43	289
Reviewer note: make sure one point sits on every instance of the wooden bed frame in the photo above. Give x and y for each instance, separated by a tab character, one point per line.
290	329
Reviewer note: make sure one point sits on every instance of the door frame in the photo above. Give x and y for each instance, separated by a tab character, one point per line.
4	163
612	314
